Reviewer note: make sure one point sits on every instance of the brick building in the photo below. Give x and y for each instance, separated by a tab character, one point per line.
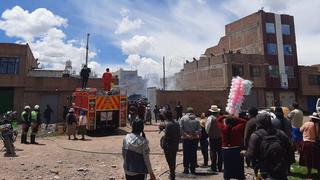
21	83
260	47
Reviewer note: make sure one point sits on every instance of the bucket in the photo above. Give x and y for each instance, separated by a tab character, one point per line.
60	129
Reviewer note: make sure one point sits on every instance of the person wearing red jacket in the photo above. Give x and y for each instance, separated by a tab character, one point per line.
106	78
232	129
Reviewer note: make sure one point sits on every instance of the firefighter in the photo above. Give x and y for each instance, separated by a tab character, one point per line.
25	117
35	122
106	77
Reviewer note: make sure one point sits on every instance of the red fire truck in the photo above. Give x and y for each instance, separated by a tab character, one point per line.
104	109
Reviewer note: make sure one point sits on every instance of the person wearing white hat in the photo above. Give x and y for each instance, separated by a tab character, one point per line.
26	122
309	155
215	141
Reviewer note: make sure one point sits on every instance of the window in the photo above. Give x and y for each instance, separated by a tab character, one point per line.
314	79
255	71
285	28
237	70
272	49
274	71
9	65
290	71
270	28
287	49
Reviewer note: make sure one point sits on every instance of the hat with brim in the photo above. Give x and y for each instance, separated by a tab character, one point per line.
315	116
214	108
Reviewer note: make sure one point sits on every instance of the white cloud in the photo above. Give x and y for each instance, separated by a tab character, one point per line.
42	30
144	65
137	45
126	24
18	22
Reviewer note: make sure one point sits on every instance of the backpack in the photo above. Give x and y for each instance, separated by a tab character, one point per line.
273	156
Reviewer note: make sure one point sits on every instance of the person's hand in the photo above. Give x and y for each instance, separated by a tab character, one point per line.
152	176
243	153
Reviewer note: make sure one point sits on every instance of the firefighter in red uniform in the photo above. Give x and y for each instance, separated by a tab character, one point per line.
107	80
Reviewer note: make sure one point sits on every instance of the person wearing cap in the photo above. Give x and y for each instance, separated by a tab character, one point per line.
82	128
26	123
35	122
204	139
135	153
170	141
215	141
310	154
190	131
71	124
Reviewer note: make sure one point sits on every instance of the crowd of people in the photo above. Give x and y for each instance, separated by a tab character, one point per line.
265	141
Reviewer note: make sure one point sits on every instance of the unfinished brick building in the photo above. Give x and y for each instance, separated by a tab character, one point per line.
260	47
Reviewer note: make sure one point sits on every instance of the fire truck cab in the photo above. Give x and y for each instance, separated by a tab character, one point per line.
105	110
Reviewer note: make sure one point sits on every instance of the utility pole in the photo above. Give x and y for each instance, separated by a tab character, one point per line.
164	74
87	49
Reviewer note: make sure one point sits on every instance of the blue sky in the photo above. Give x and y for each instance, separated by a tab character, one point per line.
136	34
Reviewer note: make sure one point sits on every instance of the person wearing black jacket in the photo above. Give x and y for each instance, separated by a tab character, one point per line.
85	72
170	141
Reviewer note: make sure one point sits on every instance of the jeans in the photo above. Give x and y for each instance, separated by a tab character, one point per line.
204	150
171	155
216	153
190	154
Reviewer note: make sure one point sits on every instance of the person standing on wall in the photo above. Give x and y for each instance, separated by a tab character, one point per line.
84	73
106	78
47	115
35	122
26	122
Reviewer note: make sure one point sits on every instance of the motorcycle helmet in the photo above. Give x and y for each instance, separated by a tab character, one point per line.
36	107
27	107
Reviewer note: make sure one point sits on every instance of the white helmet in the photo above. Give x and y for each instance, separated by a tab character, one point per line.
36	107
27	107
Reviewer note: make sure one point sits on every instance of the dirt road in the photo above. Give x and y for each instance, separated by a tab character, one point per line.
96	158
